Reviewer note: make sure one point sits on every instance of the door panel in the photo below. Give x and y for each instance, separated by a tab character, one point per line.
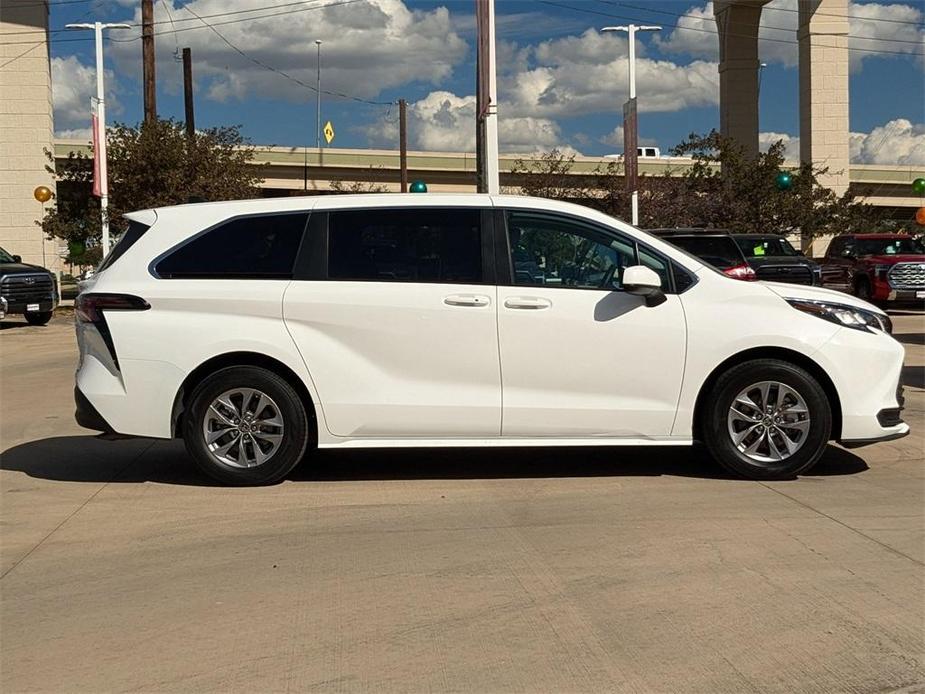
400	332
579	356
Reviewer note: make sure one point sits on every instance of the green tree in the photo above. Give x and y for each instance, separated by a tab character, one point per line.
151	165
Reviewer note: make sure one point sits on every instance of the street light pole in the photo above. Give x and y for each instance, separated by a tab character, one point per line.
631	32
100	153
318	97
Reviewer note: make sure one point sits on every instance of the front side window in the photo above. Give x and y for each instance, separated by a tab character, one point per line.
548	251
894	246
428	245
253	247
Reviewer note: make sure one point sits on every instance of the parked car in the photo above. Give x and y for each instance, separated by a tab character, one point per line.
260	330
716	247
26	289
773	258
876	267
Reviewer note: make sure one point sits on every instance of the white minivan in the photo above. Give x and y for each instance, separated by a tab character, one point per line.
259	330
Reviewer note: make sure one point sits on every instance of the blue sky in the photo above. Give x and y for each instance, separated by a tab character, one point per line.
560	82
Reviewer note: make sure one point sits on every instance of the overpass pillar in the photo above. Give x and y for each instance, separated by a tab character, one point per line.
823	37
737	22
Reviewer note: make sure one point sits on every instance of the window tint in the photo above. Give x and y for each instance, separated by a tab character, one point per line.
547	251
657	264
772	246
719	251
257	247
415	245
682	278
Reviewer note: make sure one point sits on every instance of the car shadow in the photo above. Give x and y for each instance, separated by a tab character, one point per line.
913	376
90	459
13	324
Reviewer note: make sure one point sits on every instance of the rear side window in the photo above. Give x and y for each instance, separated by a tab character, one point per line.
134	232
253	247
412	245
719	251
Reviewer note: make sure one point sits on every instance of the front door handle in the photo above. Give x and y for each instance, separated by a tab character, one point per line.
527	302
466	300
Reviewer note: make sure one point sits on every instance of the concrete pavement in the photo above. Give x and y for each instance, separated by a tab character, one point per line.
482	571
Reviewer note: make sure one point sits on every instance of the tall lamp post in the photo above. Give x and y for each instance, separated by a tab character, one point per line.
100	153
627	157
318	100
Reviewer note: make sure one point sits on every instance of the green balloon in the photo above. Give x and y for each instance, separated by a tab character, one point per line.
418	187
784	180
918	185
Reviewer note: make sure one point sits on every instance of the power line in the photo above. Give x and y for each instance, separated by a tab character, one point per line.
761	26
25	52
289	77
715	33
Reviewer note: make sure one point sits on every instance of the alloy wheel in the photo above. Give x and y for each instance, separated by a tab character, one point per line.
768	422
243	428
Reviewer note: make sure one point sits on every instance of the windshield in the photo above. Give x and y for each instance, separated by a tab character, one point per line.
719	251
894	246
5	257
768	246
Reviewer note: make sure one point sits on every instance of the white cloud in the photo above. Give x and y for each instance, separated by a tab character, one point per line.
791	144
897	142
615	138
72	85
695	34
74	134
367	46
443	121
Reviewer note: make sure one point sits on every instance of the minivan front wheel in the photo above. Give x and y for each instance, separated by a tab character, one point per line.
246	426
767	419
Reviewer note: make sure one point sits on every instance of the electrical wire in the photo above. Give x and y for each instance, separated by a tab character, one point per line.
716	33
760	26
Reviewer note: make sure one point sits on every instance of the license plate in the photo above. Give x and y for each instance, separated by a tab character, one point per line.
32	307
920	295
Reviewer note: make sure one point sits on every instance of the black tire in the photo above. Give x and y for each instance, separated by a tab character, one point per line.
38	317
715	424
862	289
296	432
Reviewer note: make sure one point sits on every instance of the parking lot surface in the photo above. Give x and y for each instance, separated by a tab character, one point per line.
485	571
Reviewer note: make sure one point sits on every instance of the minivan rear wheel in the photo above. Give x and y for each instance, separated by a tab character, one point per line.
767	419
246	426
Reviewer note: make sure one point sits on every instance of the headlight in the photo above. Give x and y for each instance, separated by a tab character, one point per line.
848	316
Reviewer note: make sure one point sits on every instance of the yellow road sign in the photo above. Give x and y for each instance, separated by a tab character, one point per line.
328	132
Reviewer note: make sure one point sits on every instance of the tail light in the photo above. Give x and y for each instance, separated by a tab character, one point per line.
741	272
89	307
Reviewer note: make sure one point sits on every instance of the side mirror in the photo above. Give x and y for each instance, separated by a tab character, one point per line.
645	282
17	258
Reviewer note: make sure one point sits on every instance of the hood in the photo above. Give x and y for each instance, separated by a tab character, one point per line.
799	291
21	269
893	259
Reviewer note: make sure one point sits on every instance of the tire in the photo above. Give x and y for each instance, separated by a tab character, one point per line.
862	290
275	428
38	317
770	459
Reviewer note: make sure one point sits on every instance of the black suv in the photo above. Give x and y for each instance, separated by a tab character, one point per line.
27	289
773	258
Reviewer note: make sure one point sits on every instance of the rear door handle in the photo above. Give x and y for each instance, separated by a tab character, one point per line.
527	302
466	300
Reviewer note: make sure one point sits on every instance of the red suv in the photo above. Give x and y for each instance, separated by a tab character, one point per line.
876	267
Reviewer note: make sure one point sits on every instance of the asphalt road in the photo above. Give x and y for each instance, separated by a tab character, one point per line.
494	571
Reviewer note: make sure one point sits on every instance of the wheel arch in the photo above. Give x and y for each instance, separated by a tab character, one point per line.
782	354
243	358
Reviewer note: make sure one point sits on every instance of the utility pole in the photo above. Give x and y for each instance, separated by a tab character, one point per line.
99	134
403	143
630	121
188	93
147	56
487	96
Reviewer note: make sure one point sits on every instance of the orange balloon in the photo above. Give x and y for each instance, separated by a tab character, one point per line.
920	216
42	193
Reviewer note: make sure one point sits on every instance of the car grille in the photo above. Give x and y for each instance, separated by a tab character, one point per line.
793	274
18	289
907	276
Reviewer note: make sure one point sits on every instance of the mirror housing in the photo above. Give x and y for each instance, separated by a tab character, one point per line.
645	282
17	258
